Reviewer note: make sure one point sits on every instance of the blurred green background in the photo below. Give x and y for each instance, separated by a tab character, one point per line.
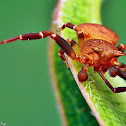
113	15
26	95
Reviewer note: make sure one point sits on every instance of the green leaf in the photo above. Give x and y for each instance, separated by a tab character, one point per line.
108	107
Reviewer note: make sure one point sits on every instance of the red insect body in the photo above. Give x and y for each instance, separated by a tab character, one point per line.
101	53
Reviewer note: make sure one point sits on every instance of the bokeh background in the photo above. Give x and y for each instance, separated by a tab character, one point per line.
26	93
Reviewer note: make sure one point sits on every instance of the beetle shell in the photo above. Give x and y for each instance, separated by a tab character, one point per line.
97	31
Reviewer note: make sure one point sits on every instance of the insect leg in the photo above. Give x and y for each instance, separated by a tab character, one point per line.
122	74
119	64
74	46
59	40
82	75
114	71
121	47
81	40
68	25
60	54
80	34
115	90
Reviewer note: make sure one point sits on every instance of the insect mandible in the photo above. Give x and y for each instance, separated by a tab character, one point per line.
96	48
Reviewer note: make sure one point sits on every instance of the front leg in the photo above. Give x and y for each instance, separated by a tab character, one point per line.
59	40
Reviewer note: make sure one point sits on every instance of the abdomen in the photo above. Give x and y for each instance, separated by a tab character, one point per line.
97	31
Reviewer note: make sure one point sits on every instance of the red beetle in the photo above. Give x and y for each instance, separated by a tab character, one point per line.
96	48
